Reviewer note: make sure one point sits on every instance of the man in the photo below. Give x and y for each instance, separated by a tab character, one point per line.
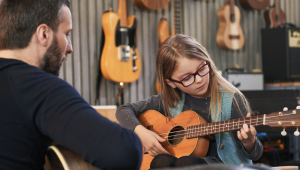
37	107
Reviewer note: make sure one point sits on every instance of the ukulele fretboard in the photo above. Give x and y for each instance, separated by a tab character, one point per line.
223	126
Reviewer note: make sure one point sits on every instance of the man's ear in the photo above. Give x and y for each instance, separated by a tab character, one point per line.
171	83
44	35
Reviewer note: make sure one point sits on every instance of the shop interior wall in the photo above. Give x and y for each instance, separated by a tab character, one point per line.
199	20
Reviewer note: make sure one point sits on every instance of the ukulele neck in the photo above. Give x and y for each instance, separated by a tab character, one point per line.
223	126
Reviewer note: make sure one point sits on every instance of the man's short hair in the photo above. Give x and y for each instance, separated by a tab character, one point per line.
19	20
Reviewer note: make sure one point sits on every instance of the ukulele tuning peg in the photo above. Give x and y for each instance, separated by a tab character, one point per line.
296	133
285	109
283	133
298	107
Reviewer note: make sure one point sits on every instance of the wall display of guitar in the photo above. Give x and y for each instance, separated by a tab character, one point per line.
151	4
254	4
187	133
274	16
230	34
163	29
120	59
60	158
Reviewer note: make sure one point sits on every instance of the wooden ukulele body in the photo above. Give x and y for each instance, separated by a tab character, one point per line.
112	66
271	18
230	34
159	124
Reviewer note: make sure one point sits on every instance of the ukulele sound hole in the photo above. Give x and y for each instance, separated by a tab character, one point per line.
176	135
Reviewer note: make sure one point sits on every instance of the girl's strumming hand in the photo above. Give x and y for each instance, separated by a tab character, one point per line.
150	140
247	136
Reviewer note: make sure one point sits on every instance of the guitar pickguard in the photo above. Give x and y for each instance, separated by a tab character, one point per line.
125	36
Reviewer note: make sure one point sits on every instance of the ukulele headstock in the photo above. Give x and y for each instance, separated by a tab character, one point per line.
284	119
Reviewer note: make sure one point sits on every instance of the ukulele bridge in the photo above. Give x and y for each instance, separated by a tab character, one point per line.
234	36
124	52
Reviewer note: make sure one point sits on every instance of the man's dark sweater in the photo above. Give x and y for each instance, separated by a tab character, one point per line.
37	108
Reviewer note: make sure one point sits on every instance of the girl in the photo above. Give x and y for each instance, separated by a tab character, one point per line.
189	81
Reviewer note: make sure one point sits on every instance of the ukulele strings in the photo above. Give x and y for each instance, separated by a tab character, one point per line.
182	133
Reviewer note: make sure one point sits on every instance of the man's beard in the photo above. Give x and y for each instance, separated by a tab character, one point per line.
51	62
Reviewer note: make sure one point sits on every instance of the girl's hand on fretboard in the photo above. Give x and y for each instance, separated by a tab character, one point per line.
247	136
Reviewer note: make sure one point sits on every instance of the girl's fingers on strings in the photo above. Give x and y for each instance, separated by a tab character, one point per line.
244	134
253	130
239	135
159	138
245	128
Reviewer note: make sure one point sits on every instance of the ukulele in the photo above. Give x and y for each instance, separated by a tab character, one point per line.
151	4
163	30
187	133
274	16
230	34
120	59
255	4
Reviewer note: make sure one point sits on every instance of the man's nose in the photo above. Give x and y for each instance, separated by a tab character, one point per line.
69	48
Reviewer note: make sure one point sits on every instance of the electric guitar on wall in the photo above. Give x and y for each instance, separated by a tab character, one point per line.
120	59
230	34
274	16
163	30
187	133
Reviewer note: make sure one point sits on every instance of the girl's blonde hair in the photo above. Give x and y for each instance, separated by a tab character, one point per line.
167	59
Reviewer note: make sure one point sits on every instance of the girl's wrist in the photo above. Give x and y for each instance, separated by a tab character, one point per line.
249	146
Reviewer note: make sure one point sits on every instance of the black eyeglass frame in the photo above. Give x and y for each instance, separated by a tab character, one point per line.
180	81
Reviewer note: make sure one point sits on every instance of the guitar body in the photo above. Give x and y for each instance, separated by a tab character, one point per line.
60	158
151	4
230	34
114	66
255	4
183	147
270	18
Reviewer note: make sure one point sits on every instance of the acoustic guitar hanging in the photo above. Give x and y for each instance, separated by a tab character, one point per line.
163	30
254	4
151	4
120	59
186	134
274	16
230	34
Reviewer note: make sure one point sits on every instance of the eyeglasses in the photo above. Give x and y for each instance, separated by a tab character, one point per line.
190	79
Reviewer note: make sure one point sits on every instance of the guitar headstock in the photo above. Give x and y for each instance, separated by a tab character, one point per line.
284	119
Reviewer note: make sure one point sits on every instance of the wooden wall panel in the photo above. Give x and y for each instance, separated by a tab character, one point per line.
200	21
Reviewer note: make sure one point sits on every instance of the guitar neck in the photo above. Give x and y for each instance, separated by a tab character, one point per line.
177	16
122	12
223	126
232	16
277	9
